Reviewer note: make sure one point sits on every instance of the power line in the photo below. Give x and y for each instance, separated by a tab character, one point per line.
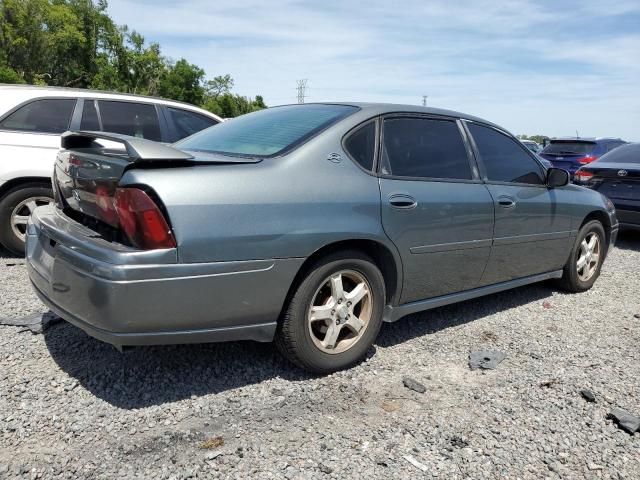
302	87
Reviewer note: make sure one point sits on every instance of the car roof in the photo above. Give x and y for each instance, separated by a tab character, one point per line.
372	108
13	95
586	139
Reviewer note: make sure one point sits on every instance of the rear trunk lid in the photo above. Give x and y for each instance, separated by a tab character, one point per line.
87	174
618	181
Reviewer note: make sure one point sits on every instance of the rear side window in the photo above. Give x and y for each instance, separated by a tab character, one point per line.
361	145
187	123
89	117
629	153
267	132
128	118
51	115
422	147
505	159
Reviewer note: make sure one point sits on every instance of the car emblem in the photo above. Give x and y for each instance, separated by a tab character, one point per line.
334	157
622	173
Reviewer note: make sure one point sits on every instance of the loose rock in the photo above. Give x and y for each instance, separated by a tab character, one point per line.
627	422
414	385
486	360
588	395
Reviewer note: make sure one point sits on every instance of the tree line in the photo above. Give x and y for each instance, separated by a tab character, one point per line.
75	43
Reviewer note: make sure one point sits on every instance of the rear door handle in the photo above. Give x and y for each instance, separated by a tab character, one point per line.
506	202
402	201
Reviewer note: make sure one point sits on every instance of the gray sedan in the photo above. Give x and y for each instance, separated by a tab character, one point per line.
307	224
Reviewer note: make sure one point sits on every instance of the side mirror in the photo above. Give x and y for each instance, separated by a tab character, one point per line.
557	177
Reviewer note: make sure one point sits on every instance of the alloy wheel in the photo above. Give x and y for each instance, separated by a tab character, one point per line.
22	211
340	311
588	256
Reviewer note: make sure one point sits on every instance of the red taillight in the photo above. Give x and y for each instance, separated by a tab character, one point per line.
141	220
583	176
587	159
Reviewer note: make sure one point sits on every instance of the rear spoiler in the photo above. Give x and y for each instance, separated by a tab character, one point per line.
138	149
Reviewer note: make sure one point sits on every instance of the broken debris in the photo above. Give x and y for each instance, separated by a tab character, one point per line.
485	360
414	385
415	463
212	443
627	422
588	395
36	323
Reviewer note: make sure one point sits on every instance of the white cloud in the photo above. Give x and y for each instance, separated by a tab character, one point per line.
531	66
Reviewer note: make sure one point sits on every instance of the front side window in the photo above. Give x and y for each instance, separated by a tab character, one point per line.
361	145
51	115
504	159
267	132
424	147
187	123
129	118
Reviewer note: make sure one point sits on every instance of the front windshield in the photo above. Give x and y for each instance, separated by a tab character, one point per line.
266	132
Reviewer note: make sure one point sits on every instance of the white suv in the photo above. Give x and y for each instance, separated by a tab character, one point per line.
32	119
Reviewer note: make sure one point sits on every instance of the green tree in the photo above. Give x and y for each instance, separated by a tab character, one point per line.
183	81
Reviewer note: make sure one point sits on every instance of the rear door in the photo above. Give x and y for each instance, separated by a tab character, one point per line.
532	231
136	119
435	208
30	136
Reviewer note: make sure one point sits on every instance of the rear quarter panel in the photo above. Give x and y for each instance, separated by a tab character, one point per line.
279	208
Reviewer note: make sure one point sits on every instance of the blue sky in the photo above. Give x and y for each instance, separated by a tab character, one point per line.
530	66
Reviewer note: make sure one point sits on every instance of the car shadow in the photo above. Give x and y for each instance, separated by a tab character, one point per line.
629	240
146	376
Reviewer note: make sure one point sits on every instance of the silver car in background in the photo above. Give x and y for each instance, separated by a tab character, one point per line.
308	224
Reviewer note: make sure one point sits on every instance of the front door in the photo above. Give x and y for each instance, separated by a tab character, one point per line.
532	222
434	206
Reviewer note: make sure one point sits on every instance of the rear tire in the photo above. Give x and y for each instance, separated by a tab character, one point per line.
18	204
335	314
586	258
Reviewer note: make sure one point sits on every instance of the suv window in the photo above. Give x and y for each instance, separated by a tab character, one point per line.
424	147
187	123
504	159
129	118
51	115
361	145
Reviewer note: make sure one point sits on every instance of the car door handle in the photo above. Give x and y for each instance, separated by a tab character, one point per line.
402	201
506	202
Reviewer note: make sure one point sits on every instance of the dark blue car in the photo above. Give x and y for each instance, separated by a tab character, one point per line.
573	153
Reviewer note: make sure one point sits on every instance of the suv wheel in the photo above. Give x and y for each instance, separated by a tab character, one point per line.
335	314
584	264
15	209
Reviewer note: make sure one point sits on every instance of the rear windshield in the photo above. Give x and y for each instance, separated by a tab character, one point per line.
566	148
266	132
624	154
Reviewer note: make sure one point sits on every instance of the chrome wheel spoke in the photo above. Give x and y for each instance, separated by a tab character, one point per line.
337	289
331	337
595	258
357	294
592	243
355	324
323	312
582	261
19	220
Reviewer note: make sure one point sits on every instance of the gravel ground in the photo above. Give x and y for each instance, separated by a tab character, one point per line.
72	407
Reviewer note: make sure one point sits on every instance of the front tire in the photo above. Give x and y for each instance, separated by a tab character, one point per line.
586	258
335	314
15	209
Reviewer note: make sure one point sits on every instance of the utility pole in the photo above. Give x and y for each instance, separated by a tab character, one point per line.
302	87
424	100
